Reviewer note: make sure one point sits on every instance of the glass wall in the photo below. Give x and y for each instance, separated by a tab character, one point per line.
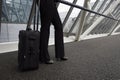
14	17
16	11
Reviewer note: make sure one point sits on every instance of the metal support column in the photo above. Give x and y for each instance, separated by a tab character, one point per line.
69	13
74	24
93	7
82	21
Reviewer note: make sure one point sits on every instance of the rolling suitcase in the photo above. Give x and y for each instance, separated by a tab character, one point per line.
28	52
28	46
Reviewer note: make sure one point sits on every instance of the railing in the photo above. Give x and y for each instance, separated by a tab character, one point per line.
106	25
103	25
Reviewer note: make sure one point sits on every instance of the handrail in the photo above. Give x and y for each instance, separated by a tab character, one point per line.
77	6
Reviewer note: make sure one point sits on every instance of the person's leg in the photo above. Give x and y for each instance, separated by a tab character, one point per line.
45	30
59	44
44	37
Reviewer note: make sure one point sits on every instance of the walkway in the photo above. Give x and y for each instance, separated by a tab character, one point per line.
95	59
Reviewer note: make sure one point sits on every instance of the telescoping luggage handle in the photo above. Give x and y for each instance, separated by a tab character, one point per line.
38	14
33	15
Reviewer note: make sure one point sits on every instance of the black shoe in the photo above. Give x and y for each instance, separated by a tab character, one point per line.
62	59
49	62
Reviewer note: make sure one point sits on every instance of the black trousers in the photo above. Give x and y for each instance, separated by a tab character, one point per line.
49	14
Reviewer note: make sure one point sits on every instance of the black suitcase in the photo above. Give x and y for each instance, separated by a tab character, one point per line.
28	50
28	46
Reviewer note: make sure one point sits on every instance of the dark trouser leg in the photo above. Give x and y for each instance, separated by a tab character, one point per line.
59	44
44	38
